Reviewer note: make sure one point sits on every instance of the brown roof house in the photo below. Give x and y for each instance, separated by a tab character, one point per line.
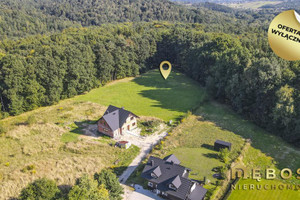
167	178
117	121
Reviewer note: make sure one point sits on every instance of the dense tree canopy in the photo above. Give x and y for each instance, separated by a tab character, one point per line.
110	181
20	18
88	189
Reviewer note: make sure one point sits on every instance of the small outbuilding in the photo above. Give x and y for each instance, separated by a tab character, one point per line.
219	144
123	144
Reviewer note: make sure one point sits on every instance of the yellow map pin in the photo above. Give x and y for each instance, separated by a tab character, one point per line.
165	72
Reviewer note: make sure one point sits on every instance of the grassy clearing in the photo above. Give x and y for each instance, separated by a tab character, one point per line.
69	137
151	95
263	194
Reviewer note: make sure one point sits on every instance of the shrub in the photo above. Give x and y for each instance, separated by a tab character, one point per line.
7	164
224	155
223	172
2	129
29	168
41	189
31	120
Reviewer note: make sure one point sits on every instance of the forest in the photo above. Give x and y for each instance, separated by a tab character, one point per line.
22	18
53	50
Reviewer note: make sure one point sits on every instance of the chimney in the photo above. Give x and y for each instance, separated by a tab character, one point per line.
152	162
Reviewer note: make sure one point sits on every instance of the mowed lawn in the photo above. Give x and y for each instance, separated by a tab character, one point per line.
150	95
263	194
266	150
192	143
284	154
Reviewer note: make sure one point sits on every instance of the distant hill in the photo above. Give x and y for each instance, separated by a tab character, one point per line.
19	18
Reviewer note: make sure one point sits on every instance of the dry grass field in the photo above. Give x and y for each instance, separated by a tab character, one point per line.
35	149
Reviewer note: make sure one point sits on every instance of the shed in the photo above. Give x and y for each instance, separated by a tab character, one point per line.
124	144
219	144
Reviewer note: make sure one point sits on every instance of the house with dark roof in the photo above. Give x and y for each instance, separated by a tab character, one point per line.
116	121
167	178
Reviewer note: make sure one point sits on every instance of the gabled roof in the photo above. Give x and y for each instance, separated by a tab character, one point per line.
116	117
171	173
176	182
172	158
157	171
198	193
112	119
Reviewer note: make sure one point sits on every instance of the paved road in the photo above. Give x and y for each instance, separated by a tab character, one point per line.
146	144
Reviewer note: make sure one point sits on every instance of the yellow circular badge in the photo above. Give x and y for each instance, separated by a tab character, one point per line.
284	35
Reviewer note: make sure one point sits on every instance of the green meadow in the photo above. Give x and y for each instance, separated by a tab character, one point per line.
150	95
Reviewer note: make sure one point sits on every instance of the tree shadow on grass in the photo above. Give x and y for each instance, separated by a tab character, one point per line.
211	155
208	146
82	125
177	93
119	170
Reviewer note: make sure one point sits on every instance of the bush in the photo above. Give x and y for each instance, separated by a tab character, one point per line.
41	189
223	171
2	129
224	155
31	120
29	168
111	183
148	127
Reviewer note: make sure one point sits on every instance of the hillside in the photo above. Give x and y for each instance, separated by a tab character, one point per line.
21	18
